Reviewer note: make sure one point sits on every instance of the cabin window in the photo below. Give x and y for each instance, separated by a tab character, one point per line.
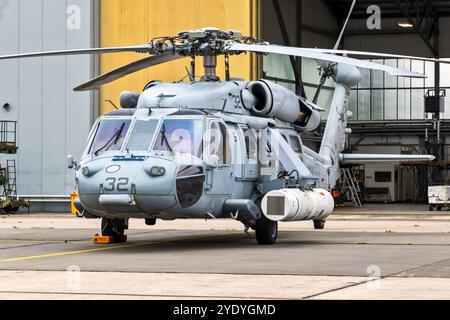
142	135
296	144
110	135
251	144
182	136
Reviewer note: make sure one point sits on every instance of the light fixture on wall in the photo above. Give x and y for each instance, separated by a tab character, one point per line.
405	25
7	106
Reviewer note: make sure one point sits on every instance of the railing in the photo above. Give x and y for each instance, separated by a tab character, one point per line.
47	198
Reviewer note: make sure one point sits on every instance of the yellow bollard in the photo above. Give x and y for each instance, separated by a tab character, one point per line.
73	197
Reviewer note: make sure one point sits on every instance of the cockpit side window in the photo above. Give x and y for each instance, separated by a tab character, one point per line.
110	135
142	135
219	147
183	136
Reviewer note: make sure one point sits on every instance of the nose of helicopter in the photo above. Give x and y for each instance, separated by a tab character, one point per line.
132	185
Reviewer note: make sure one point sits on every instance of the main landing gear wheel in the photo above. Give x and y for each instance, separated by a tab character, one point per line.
266	231
114	228
319	224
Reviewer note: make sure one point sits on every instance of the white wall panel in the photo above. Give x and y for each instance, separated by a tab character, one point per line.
53	120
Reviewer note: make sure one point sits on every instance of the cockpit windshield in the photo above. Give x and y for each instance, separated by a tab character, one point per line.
142	135
183	136
110	135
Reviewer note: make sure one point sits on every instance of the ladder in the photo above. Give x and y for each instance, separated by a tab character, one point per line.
11	175
350	181
4	181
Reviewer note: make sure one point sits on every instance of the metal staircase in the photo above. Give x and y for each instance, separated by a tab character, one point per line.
352	185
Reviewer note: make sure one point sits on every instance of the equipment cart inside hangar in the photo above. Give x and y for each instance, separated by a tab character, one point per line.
439	197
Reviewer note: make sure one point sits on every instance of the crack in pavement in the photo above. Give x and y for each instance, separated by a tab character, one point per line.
373	279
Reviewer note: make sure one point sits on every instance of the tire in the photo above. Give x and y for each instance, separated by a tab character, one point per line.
431	208
114	228
439	208
319	224
266	231
11	209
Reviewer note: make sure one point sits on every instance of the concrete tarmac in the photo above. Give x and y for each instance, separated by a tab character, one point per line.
377	253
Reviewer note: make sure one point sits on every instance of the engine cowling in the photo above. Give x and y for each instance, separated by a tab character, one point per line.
267	99
309	119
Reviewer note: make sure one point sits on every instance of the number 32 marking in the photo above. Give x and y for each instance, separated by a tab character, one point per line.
113	184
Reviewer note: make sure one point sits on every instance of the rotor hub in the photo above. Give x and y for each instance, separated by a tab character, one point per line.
202	42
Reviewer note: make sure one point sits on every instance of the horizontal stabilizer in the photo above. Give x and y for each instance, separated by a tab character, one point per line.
351	158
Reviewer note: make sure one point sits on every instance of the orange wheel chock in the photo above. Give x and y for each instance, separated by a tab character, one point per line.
102	240
106	239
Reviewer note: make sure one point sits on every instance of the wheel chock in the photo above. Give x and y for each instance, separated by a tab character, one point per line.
106	239
102	240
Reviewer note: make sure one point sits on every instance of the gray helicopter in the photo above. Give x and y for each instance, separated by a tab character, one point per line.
212	149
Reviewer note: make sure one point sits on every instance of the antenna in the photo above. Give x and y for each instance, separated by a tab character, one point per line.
113	104
338	42
190	75
328	69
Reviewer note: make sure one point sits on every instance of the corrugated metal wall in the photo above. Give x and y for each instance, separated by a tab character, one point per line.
53	120
124	22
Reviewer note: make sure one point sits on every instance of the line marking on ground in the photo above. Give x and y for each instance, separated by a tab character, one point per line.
58	254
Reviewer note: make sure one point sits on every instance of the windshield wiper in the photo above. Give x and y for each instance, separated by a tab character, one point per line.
164	138
115	138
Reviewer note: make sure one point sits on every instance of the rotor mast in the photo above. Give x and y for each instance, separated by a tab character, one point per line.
210	67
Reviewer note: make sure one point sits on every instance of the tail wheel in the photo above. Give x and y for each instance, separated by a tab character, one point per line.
114	228
319	224
266	231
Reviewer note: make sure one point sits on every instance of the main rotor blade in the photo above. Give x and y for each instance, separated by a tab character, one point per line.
338	42
317	55
146	48
126	70
378	55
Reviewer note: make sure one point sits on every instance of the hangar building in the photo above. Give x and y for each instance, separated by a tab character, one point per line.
389	113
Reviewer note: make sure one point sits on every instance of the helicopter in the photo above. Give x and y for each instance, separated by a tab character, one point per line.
212	148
